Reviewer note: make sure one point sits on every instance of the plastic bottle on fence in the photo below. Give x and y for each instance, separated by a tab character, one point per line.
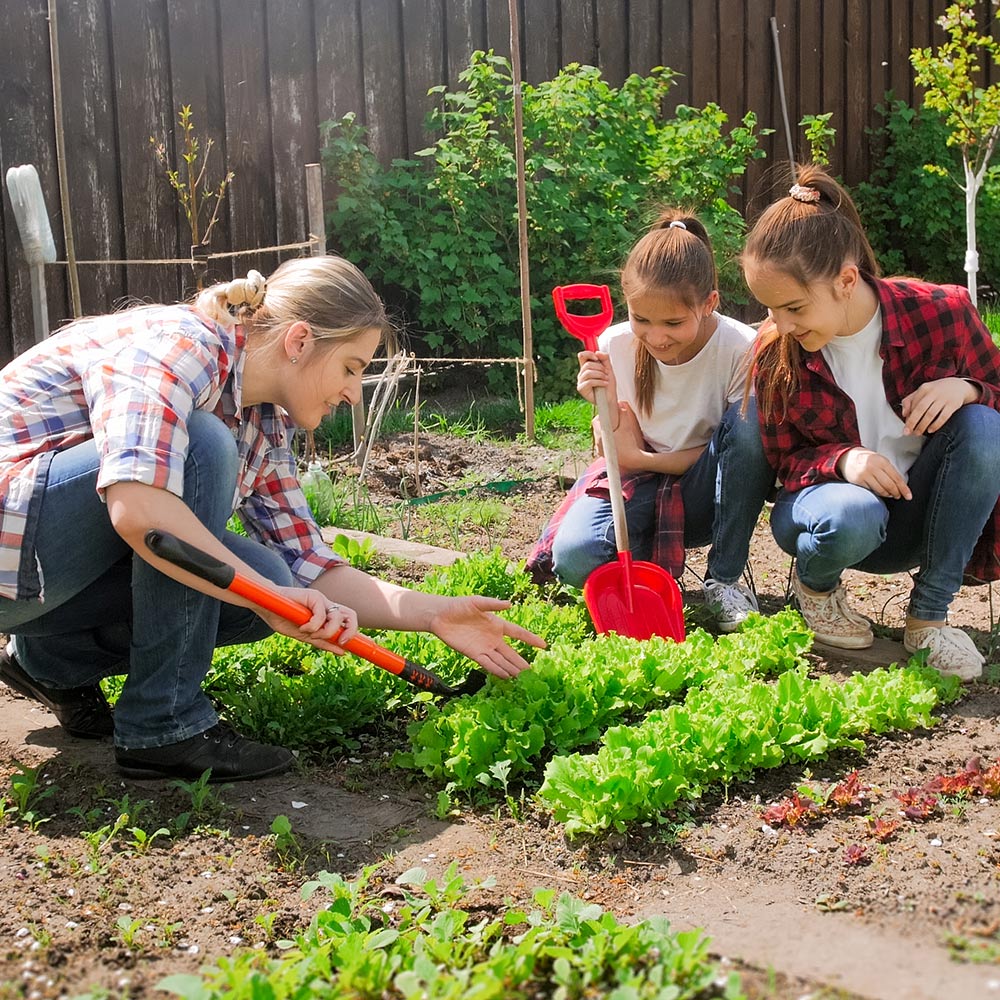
318	488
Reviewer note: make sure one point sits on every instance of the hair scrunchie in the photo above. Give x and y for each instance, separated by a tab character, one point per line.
806	194
247	293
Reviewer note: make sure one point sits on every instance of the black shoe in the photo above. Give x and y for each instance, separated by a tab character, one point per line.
82	711
230	756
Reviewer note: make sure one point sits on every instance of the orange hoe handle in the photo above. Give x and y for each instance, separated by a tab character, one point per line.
214	571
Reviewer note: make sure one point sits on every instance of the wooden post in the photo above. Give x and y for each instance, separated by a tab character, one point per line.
74	279
522	226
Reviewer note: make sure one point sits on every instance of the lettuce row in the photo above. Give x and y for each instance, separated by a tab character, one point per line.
576	690
725	729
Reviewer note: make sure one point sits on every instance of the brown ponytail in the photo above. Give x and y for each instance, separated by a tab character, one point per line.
675	254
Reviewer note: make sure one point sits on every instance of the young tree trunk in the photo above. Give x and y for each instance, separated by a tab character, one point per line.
972	183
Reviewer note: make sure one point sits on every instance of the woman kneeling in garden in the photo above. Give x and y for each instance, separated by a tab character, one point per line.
878	403
694	469
172	418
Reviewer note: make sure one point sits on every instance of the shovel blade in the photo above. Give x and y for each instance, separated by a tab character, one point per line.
656	603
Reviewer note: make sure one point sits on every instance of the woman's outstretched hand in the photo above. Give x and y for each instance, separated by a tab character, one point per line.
470	627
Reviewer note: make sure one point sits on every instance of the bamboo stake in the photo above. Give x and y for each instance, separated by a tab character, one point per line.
522	222
781	95
57	109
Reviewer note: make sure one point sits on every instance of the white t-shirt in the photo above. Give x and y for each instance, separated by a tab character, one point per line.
857	368
691	397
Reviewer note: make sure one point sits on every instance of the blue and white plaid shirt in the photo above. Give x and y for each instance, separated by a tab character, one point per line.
130	381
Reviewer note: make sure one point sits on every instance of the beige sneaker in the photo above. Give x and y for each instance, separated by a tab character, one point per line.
831	618
952	652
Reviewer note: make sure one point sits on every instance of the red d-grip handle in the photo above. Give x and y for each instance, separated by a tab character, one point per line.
585	328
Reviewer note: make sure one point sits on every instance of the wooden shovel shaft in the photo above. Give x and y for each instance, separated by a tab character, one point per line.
610	449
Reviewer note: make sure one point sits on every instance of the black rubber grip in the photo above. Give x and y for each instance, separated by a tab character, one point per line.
186	556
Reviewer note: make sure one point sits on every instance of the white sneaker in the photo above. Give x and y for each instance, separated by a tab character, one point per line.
831	618
731	603
951	651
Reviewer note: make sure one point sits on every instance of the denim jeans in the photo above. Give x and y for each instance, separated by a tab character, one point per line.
107	611
723	492
955	482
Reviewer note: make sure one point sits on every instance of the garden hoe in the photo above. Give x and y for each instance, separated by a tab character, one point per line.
221	574
638	599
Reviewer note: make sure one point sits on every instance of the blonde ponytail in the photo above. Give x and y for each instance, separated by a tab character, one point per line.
233	301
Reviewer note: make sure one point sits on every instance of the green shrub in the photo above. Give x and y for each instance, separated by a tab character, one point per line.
439	233
915	217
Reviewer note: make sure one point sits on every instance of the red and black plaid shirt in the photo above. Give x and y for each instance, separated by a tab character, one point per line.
929	332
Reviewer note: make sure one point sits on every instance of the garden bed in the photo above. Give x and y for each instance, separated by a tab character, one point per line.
793	908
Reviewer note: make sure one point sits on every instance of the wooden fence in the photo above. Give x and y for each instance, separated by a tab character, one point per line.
261	75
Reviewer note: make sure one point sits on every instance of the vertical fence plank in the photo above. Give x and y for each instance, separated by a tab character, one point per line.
760	83
809	60
465	33
196	80
248	127
676	49
834	85
900	43
29	137
704	73
382	60
139	53
339	79
94	181
578	33
856	71
731	50
879	58
643	35
541	42
295	140
423	64
498	25
612	41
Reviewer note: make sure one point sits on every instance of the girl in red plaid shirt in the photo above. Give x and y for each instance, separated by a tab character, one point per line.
878	403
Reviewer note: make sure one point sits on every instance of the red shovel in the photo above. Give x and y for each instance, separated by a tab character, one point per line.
194	560
638	599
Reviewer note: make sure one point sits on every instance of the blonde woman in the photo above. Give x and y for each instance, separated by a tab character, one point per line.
175	417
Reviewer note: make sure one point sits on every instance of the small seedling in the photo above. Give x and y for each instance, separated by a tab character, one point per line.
128	931
286	844
204	798
141	841
26	794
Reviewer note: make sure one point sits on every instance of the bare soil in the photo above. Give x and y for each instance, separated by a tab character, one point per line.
784	906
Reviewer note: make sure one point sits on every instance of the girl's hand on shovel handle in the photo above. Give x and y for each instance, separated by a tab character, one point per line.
328	621
596	373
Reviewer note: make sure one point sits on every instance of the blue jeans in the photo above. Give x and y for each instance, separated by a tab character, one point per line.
107	611
723	492
955	482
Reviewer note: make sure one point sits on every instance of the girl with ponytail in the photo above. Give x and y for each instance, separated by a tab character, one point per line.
176	417
694	472
878	403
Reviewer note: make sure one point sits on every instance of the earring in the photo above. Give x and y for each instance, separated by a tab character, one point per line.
294	361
